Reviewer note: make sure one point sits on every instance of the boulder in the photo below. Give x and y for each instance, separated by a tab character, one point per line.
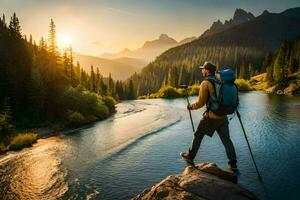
200	182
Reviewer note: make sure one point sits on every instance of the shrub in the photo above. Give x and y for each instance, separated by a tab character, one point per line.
194	90
2	148
22	140
243	84
110	103
74	118
168	92
89	105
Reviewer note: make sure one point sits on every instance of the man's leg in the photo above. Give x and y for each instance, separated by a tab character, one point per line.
205	127
223	131
197	139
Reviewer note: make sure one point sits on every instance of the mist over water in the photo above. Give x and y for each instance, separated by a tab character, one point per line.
139	145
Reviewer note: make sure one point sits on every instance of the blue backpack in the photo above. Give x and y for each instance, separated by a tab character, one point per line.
225	100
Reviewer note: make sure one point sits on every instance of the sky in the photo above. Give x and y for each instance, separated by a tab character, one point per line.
97	26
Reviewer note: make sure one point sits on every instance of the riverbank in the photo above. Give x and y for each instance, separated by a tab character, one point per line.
25	138
292	87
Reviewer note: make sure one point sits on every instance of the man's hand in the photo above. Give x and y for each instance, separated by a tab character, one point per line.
189	107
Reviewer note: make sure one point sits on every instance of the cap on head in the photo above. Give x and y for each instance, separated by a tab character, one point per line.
207	65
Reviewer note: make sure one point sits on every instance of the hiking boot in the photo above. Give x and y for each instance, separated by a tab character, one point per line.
232	165
186	157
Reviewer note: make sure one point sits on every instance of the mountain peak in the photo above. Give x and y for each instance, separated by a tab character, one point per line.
265	12
241	16
126	50
163	37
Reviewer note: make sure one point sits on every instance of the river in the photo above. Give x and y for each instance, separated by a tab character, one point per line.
140	144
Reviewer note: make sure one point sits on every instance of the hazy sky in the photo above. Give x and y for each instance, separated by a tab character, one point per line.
111	25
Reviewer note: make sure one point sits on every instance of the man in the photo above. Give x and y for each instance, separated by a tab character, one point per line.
210	121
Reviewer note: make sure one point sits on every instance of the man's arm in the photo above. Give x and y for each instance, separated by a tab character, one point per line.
203	96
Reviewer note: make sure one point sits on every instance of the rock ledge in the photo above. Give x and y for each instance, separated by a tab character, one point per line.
204	181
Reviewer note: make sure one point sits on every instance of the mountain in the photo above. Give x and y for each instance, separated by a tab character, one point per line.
120	68
150	49
241	44
240	16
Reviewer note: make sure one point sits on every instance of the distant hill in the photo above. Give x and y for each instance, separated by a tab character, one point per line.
120	68
241	43
150	49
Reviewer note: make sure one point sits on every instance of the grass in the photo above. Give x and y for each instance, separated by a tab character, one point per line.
22	140
259	82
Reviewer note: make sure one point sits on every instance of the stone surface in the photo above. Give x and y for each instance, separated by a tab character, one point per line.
204	181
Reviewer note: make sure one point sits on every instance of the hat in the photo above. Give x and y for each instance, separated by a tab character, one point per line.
209	66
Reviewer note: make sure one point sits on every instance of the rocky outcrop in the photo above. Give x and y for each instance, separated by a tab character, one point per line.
204	181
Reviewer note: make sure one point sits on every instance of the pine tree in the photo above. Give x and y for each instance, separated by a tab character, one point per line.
42	44
6	125
267	61
77	72
30	39
280	72
66	62
52	39
131	93
14	26
99	82
3	21
93	86
110	86
71	58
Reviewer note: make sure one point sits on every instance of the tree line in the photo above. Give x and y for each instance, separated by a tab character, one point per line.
180	65
40	85
283	63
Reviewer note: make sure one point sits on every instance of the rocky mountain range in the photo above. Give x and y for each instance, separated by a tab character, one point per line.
150	49
243	40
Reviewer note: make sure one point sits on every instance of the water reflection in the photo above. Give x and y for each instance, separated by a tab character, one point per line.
34	173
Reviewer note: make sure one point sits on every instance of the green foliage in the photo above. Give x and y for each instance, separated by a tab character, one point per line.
110	102
168	92
285	62
2	148
22	140
88	104
243	84
6	125
74	118
194	90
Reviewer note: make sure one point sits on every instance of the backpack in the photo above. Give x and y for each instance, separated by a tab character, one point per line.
225	100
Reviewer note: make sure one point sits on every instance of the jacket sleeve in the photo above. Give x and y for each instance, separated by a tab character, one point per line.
203	96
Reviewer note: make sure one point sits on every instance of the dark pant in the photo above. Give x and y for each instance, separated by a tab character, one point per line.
208	126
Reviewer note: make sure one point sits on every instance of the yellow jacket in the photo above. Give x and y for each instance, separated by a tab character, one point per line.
206	88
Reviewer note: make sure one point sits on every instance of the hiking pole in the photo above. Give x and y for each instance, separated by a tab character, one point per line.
239	116
188	102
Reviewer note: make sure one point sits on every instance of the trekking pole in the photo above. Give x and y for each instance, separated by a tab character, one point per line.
188	102
239	116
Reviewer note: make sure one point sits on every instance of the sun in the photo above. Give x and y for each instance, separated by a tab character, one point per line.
64	40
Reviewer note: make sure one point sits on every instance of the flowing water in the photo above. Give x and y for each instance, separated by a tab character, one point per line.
139	145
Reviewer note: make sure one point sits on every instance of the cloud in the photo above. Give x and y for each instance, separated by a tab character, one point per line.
96	43
120	11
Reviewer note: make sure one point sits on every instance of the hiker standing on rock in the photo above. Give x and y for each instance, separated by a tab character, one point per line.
215	117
